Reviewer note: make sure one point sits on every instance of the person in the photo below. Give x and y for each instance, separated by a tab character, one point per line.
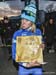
7	30
49	31
1	31
7	33
28	17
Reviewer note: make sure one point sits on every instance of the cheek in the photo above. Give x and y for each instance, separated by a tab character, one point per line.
28	25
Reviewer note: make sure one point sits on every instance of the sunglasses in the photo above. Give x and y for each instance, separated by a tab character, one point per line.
29	13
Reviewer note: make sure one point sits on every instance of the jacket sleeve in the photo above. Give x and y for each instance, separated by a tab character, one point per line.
40	34
14	47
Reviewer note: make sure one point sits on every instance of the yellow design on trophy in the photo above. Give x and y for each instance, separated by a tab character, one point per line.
27	49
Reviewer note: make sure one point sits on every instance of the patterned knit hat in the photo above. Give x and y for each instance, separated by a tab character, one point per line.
29	12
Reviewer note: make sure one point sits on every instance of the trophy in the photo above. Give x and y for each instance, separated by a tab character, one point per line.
28	49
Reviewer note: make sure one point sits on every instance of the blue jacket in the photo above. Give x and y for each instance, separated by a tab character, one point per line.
22	32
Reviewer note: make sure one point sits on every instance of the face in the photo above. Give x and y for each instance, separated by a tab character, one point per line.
6	21
25	24
51	21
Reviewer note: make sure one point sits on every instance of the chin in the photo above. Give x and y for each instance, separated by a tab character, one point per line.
23	28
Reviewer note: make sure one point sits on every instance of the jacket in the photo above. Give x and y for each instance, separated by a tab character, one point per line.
22	32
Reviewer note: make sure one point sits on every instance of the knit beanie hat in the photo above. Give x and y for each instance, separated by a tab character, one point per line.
29	12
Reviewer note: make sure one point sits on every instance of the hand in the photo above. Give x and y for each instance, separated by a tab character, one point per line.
42	46
33	63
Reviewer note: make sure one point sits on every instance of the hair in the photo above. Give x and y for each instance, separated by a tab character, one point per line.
6	18
33	27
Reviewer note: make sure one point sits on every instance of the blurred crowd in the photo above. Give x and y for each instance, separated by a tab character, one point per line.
48	29
7	28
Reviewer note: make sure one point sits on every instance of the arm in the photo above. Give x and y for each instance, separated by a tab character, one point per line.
13	47
14	52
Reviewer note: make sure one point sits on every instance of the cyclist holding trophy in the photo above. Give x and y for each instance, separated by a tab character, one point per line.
27	45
